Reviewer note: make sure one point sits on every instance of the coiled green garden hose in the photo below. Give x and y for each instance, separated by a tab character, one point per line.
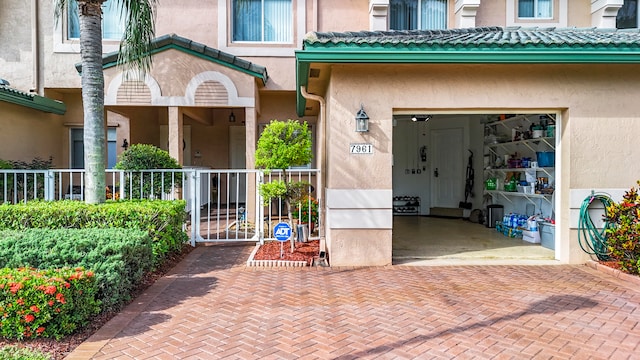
592	240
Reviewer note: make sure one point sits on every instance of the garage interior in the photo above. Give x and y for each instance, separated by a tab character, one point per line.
473	188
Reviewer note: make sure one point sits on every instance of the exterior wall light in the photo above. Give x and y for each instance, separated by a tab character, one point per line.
362	120
125	144
424	118
232	117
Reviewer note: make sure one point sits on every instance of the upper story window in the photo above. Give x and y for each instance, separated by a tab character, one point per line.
627	17
417	14
263	21
535	9
113	23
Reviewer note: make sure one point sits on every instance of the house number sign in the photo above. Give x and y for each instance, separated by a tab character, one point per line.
361	148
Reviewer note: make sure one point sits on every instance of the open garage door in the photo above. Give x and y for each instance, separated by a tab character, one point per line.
515	171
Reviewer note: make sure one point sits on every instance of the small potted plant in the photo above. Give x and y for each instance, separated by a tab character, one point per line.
306	211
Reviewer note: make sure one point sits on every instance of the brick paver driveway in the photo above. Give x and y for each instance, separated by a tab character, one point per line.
210	309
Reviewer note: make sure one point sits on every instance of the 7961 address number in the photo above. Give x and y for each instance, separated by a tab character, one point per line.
361	149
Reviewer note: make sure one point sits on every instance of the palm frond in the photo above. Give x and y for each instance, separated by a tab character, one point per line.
59	8
135	48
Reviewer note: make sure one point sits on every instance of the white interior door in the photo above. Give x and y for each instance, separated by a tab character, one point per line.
447	185
237	160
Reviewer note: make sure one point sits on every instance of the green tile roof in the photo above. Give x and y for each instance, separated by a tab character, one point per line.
173	41
486	45
32	101
515	38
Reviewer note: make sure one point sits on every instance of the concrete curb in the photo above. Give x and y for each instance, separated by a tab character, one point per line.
272	263
631	279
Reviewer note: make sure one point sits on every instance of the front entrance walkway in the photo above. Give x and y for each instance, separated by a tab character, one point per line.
212	307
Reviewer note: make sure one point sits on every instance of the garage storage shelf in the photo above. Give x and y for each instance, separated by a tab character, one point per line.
509	194
496	147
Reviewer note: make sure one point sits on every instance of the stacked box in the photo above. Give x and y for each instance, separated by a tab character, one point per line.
547	235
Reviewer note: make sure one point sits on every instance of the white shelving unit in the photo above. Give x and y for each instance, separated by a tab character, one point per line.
499	141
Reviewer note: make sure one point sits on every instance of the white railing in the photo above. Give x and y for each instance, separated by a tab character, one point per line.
224	205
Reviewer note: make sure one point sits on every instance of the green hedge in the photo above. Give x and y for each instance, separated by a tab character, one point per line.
162	219
118	257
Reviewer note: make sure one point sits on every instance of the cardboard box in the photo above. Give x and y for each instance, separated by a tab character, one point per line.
548	235
531	236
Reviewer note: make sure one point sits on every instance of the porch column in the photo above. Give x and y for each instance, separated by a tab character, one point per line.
175	120
251	136
251	139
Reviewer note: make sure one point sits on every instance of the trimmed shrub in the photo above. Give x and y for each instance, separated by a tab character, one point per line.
45	303
20	353
162	220
139	184
623	238
118	257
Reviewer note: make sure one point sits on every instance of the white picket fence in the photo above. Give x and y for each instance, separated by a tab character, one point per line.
223	205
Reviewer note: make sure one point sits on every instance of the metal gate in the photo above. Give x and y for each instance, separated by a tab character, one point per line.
226	206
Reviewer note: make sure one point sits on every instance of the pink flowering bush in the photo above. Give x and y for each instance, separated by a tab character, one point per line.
45	303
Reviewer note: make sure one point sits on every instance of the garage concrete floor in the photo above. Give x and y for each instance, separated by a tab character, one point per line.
420	240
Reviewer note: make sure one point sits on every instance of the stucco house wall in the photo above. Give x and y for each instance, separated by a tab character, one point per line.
30	134
594	102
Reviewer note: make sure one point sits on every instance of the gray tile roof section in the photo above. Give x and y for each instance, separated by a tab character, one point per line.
488	36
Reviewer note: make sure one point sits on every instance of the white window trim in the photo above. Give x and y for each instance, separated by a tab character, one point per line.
255	48
560	18
604	12
62	44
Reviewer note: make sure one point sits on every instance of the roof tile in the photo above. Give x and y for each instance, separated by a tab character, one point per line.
507	37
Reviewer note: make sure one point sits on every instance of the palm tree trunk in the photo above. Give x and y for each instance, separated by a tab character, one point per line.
90	12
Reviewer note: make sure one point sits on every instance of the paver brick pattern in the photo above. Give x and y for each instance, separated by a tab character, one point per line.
212	307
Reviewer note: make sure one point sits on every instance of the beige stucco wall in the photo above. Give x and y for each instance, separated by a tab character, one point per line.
27	133
597	105
16	52
346	15
491	13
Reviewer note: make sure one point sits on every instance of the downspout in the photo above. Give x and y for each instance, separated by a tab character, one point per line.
35	44
320	158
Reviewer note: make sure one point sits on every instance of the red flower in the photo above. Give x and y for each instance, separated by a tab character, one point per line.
29	318
50	303
14	287
50	290
34	309
60	298
20	301
67	285
40	330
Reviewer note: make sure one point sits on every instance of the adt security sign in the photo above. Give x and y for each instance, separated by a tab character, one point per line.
282	231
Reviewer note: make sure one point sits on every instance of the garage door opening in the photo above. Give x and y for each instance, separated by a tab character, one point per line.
474	187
